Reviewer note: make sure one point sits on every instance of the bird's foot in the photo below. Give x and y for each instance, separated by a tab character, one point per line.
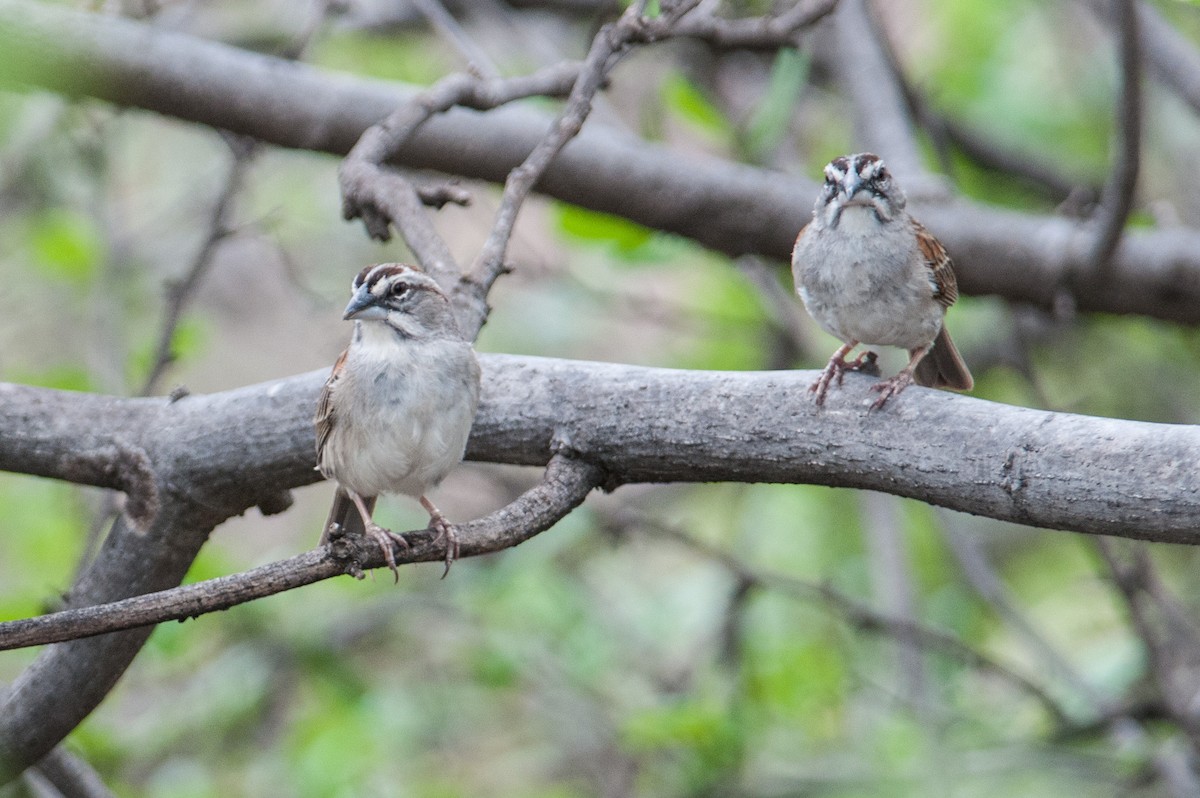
891	387
385	538
445	532
836	370
833	369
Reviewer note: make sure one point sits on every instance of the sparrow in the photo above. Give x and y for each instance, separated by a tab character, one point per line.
869	273
396	411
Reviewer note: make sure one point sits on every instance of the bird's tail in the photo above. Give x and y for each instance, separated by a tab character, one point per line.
345	516
943	367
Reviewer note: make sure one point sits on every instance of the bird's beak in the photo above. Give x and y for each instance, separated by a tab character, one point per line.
852	186
362	306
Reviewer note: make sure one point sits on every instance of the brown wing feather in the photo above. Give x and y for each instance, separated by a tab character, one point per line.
323	420
941	270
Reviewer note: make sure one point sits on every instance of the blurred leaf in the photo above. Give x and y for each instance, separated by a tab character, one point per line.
61	377
188	340
772	118
691	104
410	58
66	245
625	236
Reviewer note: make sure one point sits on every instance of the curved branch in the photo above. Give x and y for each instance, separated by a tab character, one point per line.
1116	202
563	488
729	207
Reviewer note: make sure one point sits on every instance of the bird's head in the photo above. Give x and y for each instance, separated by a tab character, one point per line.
858	181
401	296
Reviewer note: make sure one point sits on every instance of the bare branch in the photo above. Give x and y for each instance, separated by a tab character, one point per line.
1058	470
1116	201
729	207
607	48
881	120
767	32
1171	648
71	776
1172	58
180	293
448	28
382	197
858	614
563	488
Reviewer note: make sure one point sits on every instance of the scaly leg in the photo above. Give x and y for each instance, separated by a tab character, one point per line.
837	367
445	531
383	537
893	386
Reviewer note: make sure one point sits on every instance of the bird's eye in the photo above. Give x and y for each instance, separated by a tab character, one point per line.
398	289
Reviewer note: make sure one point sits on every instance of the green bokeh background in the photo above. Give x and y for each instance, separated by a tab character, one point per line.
601	658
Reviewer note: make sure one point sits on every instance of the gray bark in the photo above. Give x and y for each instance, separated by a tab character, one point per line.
726	206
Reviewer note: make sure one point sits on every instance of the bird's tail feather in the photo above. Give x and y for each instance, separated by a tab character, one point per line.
345	516
943	367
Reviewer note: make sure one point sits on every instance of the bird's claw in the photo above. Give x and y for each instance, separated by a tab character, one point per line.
445	531
385	538
891	387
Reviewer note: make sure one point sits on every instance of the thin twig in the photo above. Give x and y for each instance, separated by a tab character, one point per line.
858	614
608	47
564	486
1116	201
181	293
766	32
449	29
1172	657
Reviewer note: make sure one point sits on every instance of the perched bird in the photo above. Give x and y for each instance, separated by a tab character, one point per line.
871	274
397	408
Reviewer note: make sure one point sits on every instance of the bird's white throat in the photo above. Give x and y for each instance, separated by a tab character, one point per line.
858	220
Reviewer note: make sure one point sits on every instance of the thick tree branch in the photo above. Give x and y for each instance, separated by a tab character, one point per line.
1058	470
725	206
212	456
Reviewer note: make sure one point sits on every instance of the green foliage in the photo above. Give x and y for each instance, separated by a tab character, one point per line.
66	246
627	239
590	660
771	120
404	57
689	102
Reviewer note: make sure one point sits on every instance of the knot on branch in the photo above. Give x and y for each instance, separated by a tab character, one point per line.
122	467
276	503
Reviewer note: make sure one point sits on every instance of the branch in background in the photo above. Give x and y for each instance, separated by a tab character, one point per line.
729	207
180	294
70	776
1116	201
854	612
1172	58
1125	723
1172	649
881	120
563	488
1033	170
